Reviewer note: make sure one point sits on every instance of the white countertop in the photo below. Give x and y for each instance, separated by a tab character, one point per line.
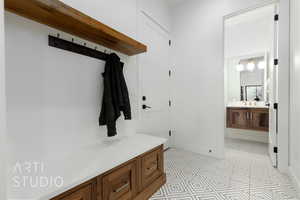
84	165
248	105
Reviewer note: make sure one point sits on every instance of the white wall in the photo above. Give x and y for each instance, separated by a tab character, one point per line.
198	55
198	77
124	12
249	37
2	107
120	15
295	92
232	81
54	96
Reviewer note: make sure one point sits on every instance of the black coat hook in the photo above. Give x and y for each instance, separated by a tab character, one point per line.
76	48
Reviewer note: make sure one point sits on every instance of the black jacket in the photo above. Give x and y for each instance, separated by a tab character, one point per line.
115	96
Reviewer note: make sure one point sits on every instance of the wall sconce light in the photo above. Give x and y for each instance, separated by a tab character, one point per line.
250	66
240	68
262	65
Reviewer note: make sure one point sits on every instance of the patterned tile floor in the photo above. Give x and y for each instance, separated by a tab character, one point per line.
245	174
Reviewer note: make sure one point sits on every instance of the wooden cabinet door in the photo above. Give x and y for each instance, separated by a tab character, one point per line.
238	118
84	193
121	184
260	119
99	192
152	167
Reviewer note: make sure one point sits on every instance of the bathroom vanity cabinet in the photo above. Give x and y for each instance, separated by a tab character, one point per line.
137	179
248	118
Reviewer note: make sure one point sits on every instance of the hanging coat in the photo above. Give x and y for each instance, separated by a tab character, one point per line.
115	97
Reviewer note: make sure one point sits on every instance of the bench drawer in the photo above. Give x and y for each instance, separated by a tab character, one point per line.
121	184
152	167
84	193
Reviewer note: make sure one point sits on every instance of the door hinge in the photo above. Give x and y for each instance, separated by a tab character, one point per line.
276	62
170	133
170	42
170	73
275	149
170	103
276	106
276	17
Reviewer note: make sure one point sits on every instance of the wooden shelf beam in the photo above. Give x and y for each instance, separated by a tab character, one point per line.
58	15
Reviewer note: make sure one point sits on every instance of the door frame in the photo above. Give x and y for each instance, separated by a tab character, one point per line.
283	78
294	20
3	130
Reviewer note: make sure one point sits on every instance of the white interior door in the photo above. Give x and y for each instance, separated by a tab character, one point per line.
273	96
154	80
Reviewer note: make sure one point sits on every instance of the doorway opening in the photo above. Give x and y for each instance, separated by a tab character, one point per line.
251	82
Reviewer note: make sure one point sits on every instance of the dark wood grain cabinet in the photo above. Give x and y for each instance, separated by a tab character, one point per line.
248	118
84	193
137	179
260	119
152	167
121	184
237	118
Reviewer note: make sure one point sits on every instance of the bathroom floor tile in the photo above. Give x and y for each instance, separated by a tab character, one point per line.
245	174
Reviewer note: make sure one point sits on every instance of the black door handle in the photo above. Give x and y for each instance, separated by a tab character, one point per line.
145	107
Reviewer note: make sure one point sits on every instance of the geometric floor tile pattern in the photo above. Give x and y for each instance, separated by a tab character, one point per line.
245	174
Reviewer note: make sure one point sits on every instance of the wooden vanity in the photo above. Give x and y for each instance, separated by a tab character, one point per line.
137	179
248	118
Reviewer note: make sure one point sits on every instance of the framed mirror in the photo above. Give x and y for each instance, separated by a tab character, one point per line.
252	93
247	78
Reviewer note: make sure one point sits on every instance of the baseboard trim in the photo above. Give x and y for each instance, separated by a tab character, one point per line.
295	180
